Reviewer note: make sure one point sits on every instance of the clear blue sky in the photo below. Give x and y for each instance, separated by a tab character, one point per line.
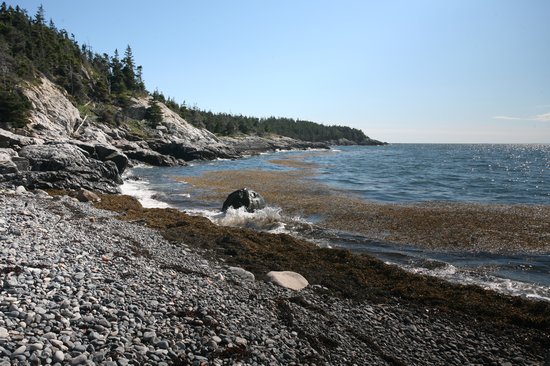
402	71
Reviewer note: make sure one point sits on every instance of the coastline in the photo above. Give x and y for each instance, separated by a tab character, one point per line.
356	309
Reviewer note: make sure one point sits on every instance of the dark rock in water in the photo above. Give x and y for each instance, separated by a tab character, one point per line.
251	200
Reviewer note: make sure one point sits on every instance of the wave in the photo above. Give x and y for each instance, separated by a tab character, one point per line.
140	190
489	282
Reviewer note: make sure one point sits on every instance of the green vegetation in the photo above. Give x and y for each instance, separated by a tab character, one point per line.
30	48
153	114
104	84
228	124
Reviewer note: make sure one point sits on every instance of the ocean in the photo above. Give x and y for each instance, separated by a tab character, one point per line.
396	174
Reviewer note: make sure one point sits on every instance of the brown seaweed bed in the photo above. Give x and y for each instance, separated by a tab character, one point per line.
458	226
357	277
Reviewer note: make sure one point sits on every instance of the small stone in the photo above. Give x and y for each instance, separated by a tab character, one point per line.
241	341
163	345
4	332
36	346
79	360
58	356
20	190
50	335
148	336
217	339
19	351
243	274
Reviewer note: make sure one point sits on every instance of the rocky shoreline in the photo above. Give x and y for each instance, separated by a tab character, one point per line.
117	284
81	285
61	148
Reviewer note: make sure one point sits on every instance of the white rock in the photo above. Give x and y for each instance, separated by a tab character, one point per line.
288	279
51	109
20	190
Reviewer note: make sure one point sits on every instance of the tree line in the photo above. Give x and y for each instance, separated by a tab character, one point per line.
30	47
226	124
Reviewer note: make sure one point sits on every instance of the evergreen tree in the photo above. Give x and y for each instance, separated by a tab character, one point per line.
128	69
154	114
14	109
117	75
39	17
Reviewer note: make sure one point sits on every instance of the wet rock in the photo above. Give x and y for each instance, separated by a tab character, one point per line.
246	198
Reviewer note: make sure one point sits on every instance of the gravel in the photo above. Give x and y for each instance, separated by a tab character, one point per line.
80	287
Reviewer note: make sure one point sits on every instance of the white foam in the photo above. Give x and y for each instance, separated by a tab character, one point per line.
139	189
486	281
267	219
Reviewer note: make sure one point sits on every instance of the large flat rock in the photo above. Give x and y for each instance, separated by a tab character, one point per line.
288	279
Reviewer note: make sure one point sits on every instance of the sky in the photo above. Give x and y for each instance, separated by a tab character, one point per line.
436	71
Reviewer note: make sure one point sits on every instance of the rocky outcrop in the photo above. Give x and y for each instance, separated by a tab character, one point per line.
186	151
346	142
12	140
250	145
7	166
53	116
62	149
62	166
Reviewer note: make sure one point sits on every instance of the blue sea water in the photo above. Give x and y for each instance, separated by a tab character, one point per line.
397	173
511	174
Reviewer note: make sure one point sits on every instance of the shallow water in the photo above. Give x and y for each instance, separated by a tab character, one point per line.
508	174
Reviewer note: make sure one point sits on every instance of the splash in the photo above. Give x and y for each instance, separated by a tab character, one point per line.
267	219
145	195
487	281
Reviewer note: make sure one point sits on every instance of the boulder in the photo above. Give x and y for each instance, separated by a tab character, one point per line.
288	279
53	157
7	166
244	197
66	166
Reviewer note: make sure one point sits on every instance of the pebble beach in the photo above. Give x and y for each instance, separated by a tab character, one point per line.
81	287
